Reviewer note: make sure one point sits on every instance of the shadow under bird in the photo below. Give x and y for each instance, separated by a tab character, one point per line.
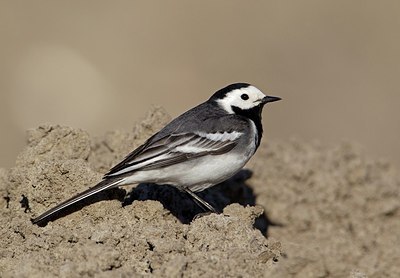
200	148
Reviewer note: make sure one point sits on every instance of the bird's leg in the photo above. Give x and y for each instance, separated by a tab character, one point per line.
201	214
203	204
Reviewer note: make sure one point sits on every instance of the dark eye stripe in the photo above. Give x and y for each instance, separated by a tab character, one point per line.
244	96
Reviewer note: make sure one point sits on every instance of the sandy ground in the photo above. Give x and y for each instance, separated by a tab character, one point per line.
299	210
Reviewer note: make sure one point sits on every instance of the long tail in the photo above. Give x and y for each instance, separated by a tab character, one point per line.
101	186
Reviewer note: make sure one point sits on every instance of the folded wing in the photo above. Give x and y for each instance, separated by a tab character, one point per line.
175	148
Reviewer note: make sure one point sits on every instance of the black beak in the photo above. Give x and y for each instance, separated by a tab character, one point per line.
269	99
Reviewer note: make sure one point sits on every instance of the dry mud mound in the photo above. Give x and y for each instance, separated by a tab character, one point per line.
300	210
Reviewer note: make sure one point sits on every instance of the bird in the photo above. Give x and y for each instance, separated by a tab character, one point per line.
203	147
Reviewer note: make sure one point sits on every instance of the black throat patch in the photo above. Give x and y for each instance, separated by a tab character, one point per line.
253	114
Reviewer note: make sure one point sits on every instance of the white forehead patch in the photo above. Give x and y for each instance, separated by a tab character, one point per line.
233	98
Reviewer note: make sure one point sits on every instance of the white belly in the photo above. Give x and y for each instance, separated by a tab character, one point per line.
199	173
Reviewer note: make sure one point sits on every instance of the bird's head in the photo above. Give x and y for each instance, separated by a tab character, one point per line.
241	97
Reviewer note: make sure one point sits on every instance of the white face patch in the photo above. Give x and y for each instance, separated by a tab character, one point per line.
234	98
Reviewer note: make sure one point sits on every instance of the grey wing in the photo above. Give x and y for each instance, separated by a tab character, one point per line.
175	148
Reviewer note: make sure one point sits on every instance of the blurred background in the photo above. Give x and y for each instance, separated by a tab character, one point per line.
100	65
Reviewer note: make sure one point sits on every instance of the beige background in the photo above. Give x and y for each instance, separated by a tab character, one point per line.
100	65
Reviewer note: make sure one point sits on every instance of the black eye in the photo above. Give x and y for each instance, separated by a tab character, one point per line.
245	96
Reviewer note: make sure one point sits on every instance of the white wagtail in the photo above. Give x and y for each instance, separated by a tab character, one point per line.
202	147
